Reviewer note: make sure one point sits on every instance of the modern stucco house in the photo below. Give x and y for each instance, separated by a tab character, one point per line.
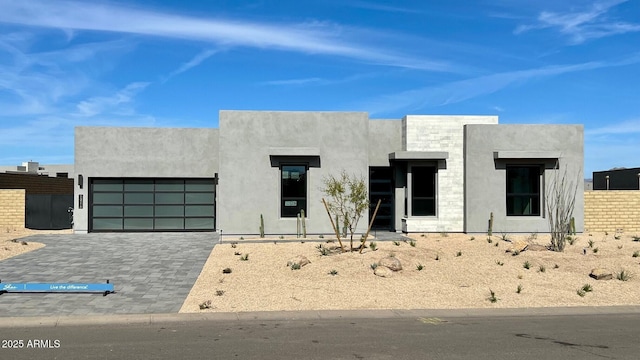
434	173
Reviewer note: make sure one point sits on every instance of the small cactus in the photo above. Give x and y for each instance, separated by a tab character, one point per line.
261	226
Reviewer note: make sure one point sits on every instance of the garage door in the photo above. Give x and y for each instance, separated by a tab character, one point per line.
152	205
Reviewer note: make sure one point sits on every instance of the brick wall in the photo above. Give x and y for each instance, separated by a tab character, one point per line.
612	210
12	209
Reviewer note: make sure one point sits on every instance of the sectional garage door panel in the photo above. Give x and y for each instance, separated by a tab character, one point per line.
152	205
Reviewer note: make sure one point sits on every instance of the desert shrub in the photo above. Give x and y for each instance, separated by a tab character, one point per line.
205	305
323	250
492	297
560	198
347	199
623	275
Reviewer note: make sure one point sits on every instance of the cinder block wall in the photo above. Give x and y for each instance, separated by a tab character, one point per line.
12	209
612	210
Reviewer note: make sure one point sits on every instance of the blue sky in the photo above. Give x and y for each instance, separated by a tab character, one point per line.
177	63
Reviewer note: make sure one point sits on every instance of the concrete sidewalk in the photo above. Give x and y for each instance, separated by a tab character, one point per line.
425	315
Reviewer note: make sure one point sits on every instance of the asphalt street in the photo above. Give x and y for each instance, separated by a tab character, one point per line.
566	337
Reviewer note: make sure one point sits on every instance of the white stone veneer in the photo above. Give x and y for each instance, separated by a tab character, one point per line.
442	133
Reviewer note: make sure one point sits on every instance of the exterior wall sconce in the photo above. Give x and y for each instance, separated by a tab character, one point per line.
80	181
607	177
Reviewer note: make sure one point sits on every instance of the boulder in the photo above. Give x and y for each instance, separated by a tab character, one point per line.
601	274
518	246
300	260
390	262
383	271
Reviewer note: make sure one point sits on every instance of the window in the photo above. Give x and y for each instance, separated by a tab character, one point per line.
293	192
423	191
523	190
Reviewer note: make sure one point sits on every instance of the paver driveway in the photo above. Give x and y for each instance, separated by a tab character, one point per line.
151	272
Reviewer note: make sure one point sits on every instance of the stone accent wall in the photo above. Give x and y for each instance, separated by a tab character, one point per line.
612	210
442	133
12	209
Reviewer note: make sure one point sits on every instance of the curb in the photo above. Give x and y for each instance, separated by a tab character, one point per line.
152	319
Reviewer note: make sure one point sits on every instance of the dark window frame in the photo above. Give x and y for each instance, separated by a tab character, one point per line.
533	181
285	210
419	196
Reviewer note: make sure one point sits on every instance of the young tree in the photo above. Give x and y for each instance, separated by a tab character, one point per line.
560	199
348	199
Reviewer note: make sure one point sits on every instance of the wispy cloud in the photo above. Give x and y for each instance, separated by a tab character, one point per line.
34	82
318	80
303	81
309	38
626	127
591	23
381	7
612	145
114	103
195	61
459	91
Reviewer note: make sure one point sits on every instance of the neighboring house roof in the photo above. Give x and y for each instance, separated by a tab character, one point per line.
617	179
35	168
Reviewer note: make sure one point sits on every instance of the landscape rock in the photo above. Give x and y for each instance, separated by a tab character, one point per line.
390	262
300	260
518	245
383	271
536	247
601	274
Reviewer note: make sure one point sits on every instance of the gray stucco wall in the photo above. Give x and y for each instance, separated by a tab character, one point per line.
140	153
250	184
485	176
385	136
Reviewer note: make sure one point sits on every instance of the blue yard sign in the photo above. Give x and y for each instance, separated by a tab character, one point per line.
105	288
